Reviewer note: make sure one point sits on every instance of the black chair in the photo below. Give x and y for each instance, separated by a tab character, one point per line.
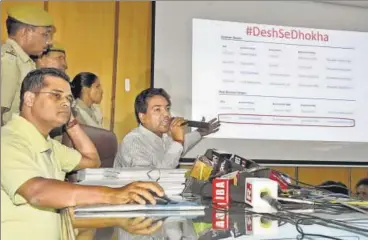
105	141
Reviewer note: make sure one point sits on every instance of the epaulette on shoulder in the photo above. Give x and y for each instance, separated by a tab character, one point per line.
11	52
8	50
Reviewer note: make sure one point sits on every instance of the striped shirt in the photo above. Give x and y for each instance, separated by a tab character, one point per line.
143	148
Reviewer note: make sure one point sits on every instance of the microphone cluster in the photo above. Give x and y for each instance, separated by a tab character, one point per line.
228	178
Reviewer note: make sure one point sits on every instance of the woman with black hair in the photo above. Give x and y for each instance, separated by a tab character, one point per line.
87	91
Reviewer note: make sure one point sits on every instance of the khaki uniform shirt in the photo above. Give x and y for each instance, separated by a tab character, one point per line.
15	65
90	116
26	154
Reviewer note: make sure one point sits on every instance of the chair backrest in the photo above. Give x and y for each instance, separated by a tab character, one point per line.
105	141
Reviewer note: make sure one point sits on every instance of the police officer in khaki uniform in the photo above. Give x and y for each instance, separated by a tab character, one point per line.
54	57
30	33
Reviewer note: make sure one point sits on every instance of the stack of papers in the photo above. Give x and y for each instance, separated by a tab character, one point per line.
133	174
171	180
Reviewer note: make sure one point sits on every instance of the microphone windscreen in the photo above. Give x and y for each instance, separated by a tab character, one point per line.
201	169
223	167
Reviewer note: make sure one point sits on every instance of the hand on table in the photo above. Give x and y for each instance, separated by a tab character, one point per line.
137	192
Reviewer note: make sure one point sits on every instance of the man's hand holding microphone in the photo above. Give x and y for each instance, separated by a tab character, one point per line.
177	131
177	127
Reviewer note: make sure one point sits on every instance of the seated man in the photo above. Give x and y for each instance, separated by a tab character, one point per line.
33	166
159	141
362	189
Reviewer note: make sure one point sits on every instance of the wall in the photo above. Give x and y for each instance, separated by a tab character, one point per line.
88	36
134	61
113	40
110	39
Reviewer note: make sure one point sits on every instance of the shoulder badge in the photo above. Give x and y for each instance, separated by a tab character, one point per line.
7	49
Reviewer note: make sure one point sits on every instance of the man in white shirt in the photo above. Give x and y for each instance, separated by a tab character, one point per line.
159	141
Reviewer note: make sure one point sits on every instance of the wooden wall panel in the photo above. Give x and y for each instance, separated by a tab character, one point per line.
134	61
86	29
318	175
4	7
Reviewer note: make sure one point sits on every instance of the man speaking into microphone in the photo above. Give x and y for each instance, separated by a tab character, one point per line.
160	140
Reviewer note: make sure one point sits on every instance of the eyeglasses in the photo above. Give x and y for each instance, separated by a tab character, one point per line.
57	97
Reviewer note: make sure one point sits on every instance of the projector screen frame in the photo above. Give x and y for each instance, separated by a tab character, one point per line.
153	35
267	162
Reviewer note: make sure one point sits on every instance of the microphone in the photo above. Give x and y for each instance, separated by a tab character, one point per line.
272	201
273	175
223	192
209	154
240	163
201	169
222	167
220	191
261	194
196	124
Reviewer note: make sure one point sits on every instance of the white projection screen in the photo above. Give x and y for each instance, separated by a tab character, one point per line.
288	80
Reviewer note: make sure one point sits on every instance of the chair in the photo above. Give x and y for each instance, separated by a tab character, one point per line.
105	141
